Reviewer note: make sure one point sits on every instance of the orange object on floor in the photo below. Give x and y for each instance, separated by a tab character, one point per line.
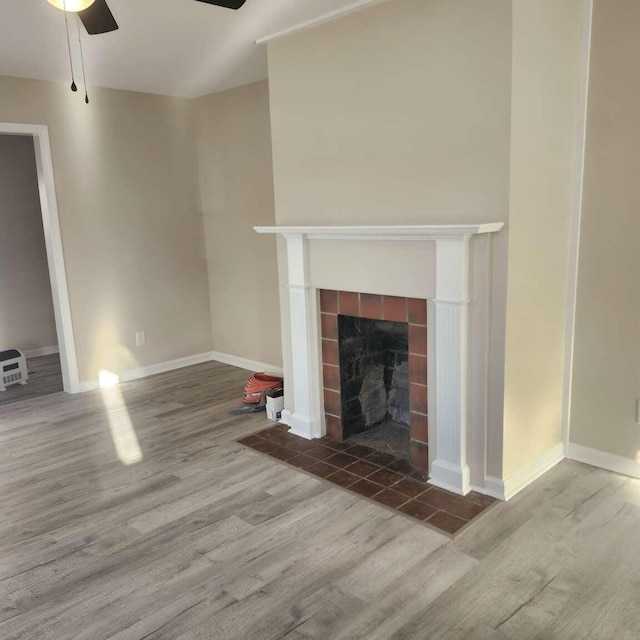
258	384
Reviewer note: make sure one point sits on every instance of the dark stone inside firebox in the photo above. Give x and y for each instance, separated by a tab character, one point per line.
374	380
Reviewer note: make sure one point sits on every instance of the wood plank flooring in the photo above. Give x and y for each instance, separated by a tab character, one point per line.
45	378
205	539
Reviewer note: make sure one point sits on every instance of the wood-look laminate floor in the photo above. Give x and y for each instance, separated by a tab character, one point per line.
203	538
45	378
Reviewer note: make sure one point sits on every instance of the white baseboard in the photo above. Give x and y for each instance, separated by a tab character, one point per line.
450	477
481	490
285	417
516	482
87	385
180	363
245	363
42	351
151	370
493	487
604	460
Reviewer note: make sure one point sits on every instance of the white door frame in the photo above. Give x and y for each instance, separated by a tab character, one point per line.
53	243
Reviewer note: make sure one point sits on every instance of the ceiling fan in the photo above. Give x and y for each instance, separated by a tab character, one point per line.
97	17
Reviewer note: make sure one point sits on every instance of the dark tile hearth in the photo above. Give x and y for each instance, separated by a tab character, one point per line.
387	438
382	477
363	468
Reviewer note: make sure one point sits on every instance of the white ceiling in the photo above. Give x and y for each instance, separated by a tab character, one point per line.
173	47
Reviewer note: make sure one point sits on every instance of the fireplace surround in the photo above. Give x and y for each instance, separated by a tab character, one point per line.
339	310
448	391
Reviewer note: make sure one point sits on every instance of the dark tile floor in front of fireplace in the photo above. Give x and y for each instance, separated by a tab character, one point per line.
386	479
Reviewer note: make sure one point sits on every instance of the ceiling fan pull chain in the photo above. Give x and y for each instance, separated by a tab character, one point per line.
84	76
66	24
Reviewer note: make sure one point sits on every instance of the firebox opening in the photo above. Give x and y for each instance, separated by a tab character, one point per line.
374	381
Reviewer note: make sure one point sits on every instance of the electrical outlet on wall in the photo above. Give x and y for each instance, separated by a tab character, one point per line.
140	339
638	411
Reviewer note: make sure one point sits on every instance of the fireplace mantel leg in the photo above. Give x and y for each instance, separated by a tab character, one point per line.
303	314
449	468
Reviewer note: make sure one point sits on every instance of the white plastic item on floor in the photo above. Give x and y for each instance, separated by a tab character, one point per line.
274	408
13	368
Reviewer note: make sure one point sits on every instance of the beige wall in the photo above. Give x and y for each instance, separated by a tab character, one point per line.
398	113
606	375
126	180
233	136
546	63
26	306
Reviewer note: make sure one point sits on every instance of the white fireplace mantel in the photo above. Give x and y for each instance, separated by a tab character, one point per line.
448	436
386	232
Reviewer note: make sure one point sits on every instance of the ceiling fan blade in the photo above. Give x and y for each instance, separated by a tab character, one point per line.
227	4
98	18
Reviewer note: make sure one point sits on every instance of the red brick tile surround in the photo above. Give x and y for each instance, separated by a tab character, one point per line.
376	307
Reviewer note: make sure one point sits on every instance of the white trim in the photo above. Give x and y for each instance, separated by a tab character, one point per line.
576	218
451	477
245	363
88	385
506	489
42	351
293	431
285	418
387	232
494	487
332	15
306	419
151	370
604	460
180	363
53	243
450	469
299	427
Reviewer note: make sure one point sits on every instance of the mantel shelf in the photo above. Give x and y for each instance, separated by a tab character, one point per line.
385	232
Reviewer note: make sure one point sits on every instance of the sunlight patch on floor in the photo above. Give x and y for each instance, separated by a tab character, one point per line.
123	434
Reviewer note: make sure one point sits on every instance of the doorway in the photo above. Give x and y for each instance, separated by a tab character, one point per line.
39	134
